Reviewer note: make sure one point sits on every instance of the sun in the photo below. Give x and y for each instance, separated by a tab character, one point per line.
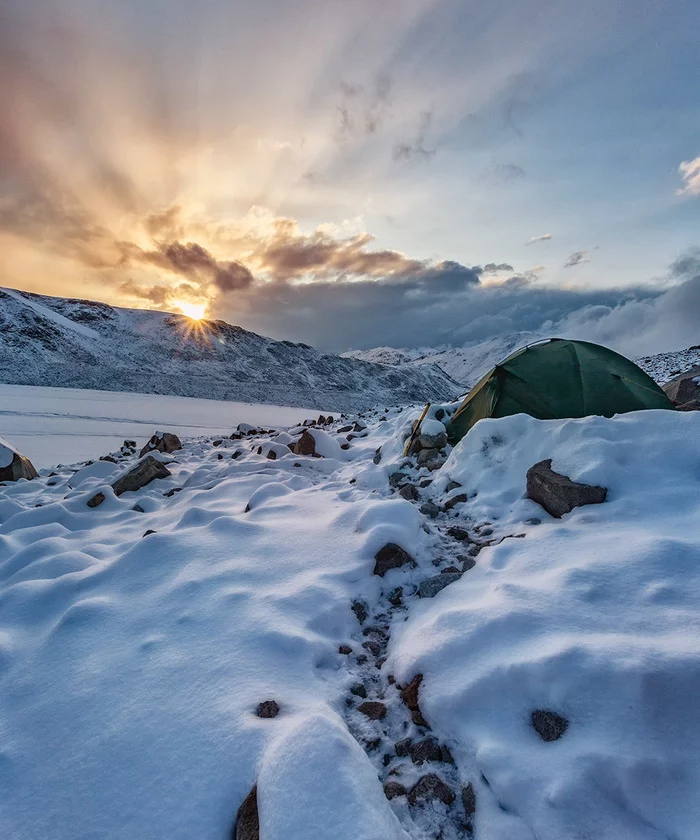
195	311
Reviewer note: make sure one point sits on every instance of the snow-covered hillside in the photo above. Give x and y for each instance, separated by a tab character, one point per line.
468	364
355	647
49	341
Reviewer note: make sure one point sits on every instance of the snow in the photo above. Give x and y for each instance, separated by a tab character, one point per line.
65	425
594	617
131	666
46	312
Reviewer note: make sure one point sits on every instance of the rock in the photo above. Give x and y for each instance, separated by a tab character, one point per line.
360	610
377	456
432	441
452	485
685	387
409	492
691	405
172	492
459	499
440	413
426	750
409	695
425	456
549	725
395	597
149	532
449	569
429	788
458	533
247	825
430	509
373	647
359	690
429	588
394	789
558	494
436	464
397	479
306	445
109	459
321	420
138	509
391	556
217	442
426	482
14	465
468	563
162	442
345	650
373	709
343	429
403	747
267	709
533	520
469	802
359	426
143	473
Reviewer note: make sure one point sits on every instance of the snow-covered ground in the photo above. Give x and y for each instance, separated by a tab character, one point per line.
132	663
66	425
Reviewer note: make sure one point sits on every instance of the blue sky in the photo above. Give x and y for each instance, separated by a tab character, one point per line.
230	158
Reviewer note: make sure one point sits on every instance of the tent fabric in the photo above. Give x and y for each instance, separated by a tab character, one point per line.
556	379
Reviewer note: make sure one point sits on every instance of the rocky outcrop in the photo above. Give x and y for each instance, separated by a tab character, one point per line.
142	474
306	445
549	725
558	494
247	826
14	465
162	442
684	388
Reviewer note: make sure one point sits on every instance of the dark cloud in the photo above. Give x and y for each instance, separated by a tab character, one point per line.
687	265
195	262
577	258
494	268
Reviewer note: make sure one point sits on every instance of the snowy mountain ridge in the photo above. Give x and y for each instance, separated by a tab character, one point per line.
84	344
468	364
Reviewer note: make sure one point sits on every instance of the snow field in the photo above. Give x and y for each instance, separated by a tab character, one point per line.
131	666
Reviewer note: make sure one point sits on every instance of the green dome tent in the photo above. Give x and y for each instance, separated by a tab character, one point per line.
555	379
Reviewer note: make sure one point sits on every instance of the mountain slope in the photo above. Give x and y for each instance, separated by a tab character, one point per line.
468	364
84	344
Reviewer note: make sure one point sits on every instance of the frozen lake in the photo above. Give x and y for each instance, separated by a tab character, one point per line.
65	425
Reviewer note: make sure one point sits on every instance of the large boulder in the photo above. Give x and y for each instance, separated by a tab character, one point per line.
306	445
558	494
684	387
391	556
162	442
142	474
14	465
247	826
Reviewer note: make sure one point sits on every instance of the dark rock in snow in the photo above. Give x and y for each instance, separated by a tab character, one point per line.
217	442
306	445
149	532
138	509
549	725
452	485
397	479
394	789
162	442
391	556
139	476
343	429
396	596
426	750
558	494
247	825
469	802
429	509
359	690
373	647
429	588
431	787
377	456
426	482
360	610
346	650
409	492
373	709
403	747
409	695
14	466
459	499
467	563
425	456
267	709
458	533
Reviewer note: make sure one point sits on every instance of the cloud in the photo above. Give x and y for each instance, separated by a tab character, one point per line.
542	237
577	258
416	148
690	175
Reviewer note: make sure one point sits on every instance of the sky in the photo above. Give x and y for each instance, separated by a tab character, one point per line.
356	174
